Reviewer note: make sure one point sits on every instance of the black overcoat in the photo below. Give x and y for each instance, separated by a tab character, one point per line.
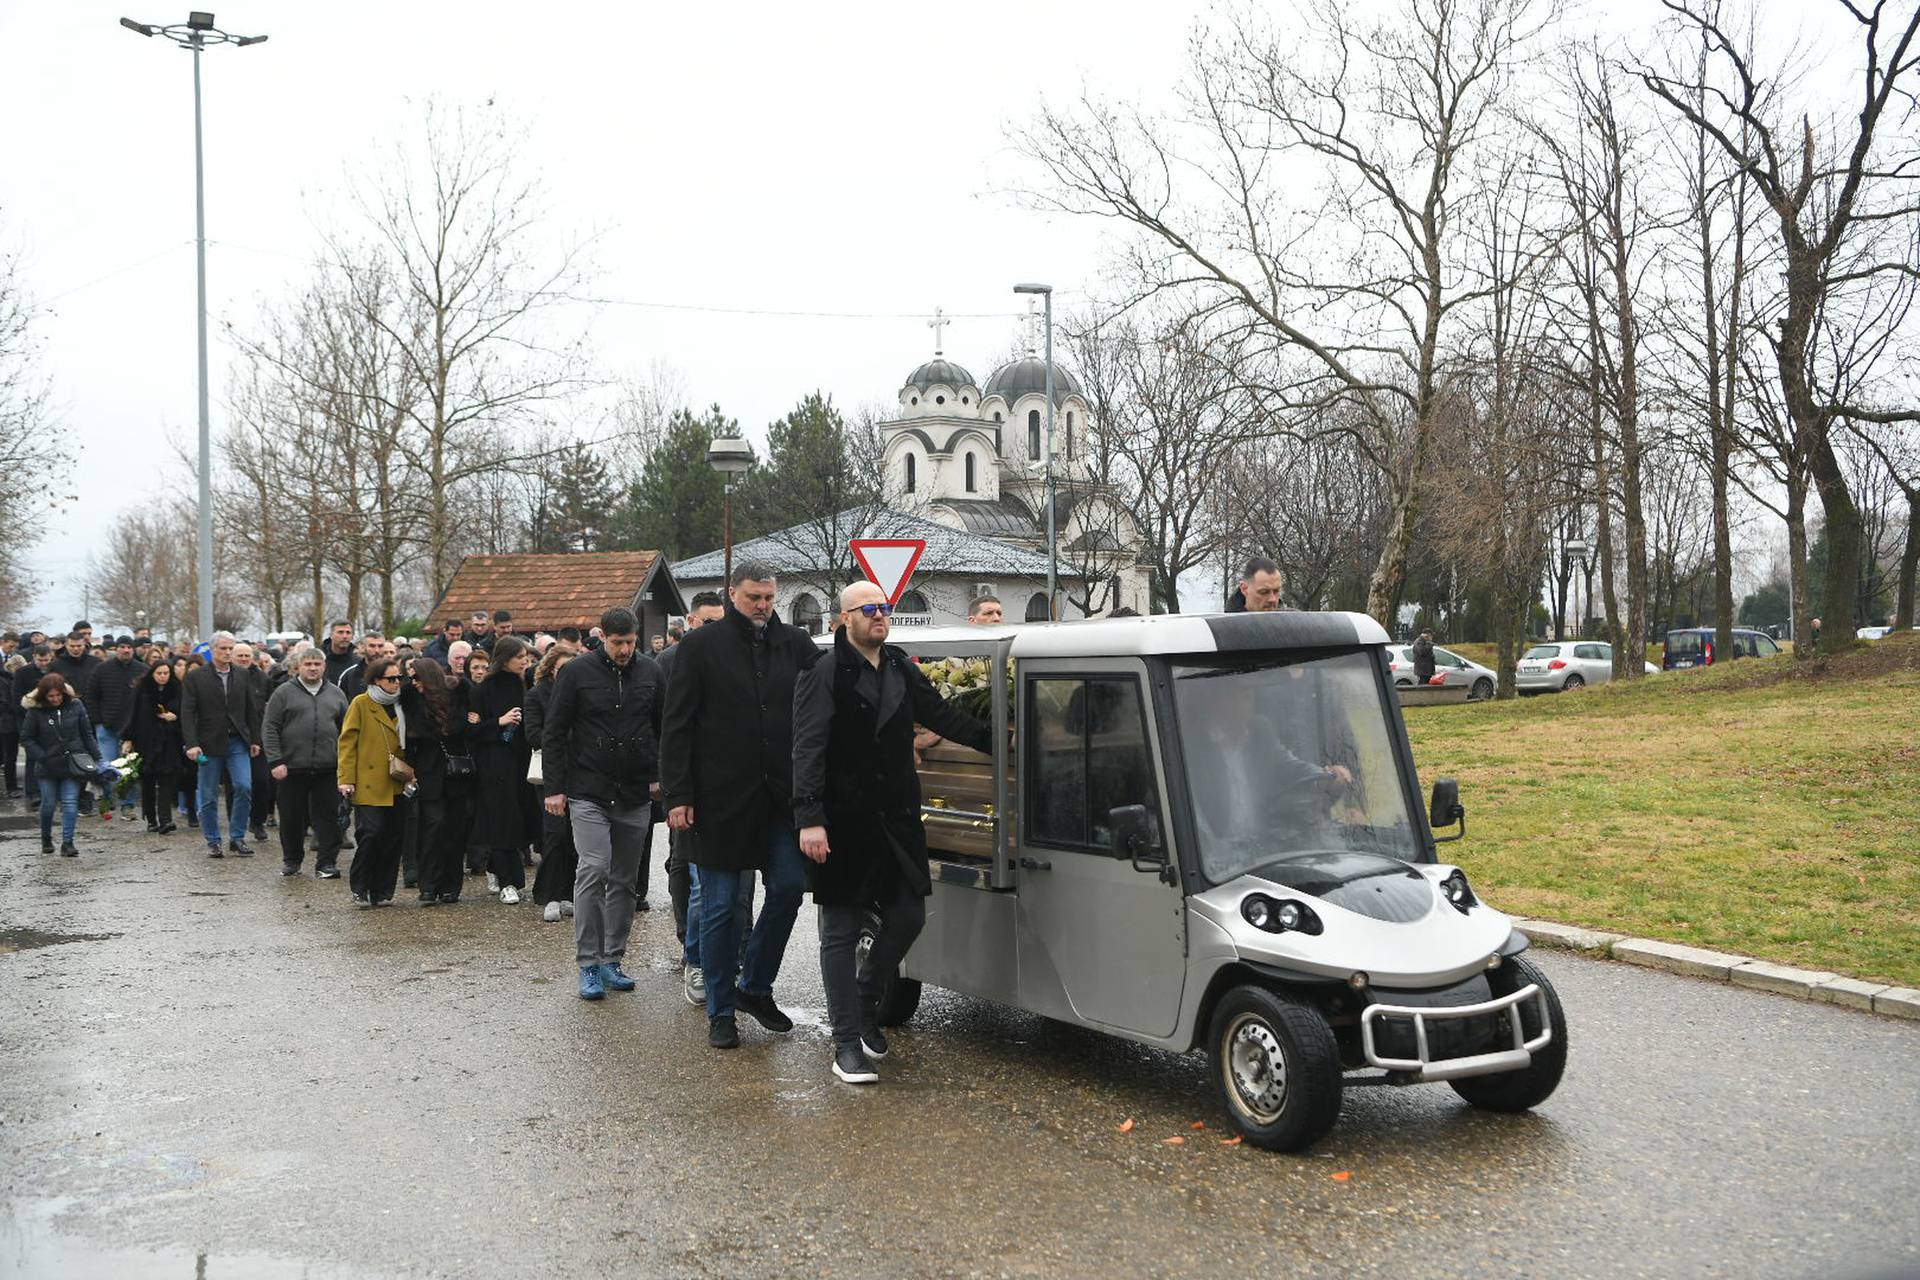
162	753
854	771
208	713
727	736
505	808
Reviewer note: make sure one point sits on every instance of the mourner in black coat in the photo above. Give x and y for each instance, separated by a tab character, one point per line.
726	756
856	800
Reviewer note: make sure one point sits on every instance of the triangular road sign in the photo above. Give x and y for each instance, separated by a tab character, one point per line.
889	562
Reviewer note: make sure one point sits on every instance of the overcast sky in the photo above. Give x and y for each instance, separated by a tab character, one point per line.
830	158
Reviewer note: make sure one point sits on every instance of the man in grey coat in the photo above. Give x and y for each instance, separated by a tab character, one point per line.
300	735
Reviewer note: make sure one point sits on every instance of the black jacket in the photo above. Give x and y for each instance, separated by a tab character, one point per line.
338	662
1422	660
157	741
208	714
854	772
23	681
600	736
110	693
726	741
79	673
49	735
505	816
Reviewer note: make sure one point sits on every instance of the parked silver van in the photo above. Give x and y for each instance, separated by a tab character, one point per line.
1205	832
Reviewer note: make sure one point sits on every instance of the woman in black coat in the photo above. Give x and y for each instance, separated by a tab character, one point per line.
55	728
153	730
437	747
504	819
559	861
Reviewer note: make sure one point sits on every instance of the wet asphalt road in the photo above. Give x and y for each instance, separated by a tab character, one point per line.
208	1071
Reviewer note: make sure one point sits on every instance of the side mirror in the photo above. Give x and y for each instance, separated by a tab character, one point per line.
1445	809
1134	838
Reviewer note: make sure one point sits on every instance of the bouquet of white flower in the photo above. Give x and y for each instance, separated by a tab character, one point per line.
124	773
967	682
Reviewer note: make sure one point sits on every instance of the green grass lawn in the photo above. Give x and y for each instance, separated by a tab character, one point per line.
1762	806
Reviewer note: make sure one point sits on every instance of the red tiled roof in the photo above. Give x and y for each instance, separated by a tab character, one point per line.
545	592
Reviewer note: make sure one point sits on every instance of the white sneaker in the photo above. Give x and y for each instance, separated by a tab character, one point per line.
493	883
566	908
552	914
694	985
510	896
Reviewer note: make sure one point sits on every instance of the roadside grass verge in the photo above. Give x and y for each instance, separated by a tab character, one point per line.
1764	807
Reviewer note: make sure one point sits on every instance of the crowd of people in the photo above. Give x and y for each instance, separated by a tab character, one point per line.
489	753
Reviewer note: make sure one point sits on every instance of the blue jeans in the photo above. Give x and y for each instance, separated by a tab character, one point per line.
742	913
237	763
109	748
786	880
64	792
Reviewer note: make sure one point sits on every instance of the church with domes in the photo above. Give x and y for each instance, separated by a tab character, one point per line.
974	458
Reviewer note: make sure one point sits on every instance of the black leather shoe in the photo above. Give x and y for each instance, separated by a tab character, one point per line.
213	851
289	869
361	900
240	850
449	899
68	851
327	873
722	1033
167	828
46	844
764	1011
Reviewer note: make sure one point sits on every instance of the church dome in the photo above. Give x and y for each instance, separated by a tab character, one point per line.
1029	376
936	371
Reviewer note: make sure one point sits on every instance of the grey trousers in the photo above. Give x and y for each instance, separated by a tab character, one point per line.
611	840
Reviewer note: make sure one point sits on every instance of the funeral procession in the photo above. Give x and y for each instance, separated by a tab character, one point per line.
1268	637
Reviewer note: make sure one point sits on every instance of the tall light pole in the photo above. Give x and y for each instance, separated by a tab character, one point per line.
729	455
196	34
1053	534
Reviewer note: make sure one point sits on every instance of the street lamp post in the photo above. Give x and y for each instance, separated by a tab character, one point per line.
1053	588
729	455
196	34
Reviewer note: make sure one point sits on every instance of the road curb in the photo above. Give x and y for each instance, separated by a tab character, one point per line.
1816	985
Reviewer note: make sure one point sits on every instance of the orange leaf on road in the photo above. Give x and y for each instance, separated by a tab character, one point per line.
1343	1176
1126	1126
1232	1142
1175	1141
1197	1125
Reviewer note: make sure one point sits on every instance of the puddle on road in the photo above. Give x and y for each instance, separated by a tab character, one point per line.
32	1249
25	938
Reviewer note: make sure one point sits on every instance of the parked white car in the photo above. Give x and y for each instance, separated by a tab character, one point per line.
1566	664
1454	671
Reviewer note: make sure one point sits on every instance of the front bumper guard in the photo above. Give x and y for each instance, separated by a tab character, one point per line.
1425	1068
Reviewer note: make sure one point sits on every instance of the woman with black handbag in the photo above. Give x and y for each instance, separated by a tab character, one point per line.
438	749
59	738
375	775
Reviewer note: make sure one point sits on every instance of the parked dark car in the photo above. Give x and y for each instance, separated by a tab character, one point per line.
1694	647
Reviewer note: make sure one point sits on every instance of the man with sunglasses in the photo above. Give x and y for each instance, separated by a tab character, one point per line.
856	800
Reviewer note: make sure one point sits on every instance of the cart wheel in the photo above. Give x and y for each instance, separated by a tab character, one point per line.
1482	690
1531	1085
899	997
1277	1067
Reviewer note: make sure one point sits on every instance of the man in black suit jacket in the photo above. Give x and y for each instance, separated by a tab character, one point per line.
221	709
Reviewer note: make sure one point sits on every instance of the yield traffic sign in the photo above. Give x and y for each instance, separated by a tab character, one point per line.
889	562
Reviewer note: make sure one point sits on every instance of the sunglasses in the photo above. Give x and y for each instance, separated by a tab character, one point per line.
882	610
388	680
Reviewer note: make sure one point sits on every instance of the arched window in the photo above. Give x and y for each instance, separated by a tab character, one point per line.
807	613
1069	433
912	479
912	602
1037	607
971	479
1033	435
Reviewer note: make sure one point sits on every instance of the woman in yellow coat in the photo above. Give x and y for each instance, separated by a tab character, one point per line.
371	740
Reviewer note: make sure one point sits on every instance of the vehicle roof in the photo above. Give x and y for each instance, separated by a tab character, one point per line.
1707	631
1162	633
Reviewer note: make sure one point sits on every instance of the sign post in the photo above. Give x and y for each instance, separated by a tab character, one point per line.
889	562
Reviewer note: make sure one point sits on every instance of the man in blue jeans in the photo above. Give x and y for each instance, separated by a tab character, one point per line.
727	782
221	710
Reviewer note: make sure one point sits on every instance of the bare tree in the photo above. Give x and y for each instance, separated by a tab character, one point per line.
147	563
1834	190
33	460
1382	114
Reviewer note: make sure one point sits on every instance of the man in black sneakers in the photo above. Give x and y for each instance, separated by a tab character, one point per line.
856	800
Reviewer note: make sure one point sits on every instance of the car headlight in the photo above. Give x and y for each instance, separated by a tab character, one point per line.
1283	916
1458	893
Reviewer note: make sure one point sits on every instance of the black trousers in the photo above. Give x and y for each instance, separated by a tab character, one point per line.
309	795
559	860
263	795
377	832
853	996
157	791
441	841
10	759
679	882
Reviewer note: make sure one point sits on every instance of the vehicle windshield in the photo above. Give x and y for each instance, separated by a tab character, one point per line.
1288	757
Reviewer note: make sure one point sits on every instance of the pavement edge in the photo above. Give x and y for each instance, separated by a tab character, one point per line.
1817	985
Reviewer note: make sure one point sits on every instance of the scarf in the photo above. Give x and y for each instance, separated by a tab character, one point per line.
382	698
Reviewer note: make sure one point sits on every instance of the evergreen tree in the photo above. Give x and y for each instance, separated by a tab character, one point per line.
677	505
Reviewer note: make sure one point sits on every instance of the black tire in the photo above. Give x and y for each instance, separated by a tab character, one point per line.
1574	682
1253	1026
899	997
1533	1084
1481	691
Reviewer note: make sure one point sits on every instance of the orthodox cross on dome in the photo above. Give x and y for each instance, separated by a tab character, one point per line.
939	325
